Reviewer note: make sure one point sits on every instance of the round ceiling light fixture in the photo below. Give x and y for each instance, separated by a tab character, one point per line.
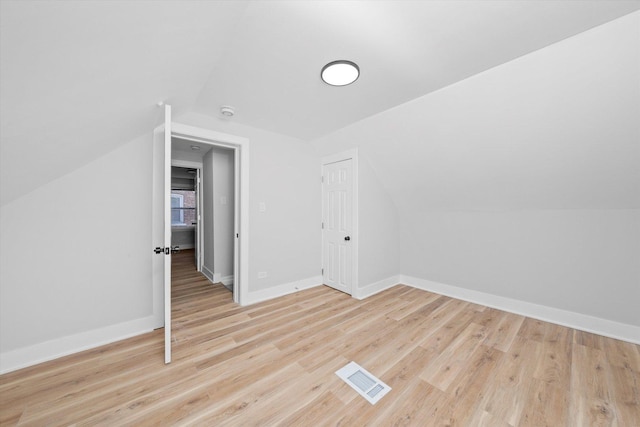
340	73
227	111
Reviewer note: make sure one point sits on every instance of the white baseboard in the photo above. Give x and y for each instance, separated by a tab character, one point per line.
281	290
227	281
182	246
583	322
373	288
208	274
215	277
49	350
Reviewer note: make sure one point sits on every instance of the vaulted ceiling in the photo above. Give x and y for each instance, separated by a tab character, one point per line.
78	79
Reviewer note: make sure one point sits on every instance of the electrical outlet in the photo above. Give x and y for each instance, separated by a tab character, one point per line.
262	274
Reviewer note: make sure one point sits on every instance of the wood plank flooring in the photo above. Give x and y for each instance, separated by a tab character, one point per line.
449	363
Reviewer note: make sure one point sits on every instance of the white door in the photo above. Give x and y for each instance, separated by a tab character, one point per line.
167	234
337	225
161	229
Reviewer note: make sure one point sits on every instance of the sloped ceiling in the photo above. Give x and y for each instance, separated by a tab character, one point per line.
405	49
78	79
557	129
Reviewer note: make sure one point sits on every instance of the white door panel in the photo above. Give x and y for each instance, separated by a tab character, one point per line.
161	229
337	193
167	233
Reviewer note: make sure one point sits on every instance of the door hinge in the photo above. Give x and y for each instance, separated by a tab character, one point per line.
323	225
322	271
322	179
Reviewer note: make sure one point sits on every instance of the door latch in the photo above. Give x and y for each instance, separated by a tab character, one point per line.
160	250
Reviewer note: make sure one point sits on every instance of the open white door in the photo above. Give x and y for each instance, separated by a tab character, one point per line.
161	229
167	234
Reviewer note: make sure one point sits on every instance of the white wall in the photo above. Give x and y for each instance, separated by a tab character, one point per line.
183	237
378	249
75	258
187	156
223	214
218	218
378	227
522	181
584	261
285	239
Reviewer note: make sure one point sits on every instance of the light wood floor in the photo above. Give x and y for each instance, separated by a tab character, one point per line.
449	363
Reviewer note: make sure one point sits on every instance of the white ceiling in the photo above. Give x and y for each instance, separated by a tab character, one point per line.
78	79
405	49
181	150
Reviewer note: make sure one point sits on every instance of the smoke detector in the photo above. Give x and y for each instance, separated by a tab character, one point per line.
227	111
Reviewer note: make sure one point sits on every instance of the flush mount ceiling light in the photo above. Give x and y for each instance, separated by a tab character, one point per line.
340	73
227	111
195	147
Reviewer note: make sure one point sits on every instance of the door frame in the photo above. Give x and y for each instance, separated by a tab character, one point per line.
241	246
355	240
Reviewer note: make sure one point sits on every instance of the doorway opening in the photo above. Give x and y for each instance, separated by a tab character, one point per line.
203	207
161	213
186	215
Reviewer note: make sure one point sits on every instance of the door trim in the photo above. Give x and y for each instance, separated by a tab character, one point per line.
355	235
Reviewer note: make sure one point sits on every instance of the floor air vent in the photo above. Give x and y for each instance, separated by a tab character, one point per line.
367	385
